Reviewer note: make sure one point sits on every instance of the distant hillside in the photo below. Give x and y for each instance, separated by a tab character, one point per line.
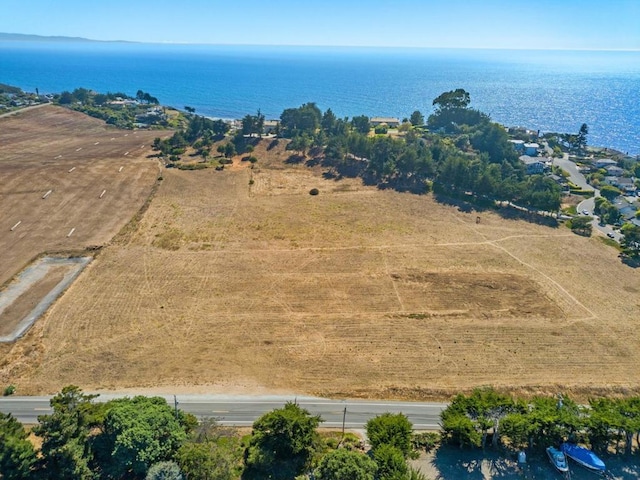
20	37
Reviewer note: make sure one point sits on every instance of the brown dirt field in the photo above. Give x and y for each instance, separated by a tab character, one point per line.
37	149
354	292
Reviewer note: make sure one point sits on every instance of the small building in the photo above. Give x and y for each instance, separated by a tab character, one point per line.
391	122
559	179
614	170
627	185
532	165
270	126
518	145
604	162
627	210
531	149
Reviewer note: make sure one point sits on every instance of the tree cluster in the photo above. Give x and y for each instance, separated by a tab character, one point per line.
99	105
475	158
129	438
200	133
541	422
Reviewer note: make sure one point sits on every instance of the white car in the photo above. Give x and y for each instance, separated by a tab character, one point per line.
610	235
585	212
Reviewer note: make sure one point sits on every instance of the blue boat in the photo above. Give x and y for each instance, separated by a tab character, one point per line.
584	457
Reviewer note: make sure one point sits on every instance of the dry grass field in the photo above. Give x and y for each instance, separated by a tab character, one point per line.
232	286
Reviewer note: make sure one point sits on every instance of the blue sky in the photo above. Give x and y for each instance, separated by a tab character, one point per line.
537	24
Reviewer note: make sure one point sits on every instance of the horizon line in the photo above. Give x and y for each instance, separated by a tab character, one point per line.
76	39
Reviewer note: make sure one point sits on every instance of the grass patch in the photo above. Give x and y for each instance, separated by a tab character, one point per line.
611	243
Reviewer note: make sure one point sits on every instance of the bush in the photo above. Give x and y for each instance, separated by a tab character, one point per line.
314	191
9	390
192	166
426	441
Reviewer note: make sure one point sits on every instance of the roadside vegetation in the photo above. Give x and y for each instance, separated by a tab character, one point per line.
145	438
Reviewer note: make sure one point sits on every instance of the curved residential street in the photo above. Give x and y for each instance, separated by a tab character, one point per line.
587	205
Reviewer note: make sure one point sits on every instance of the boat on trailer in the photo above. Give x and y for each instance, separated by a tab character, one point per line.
558	459
583	457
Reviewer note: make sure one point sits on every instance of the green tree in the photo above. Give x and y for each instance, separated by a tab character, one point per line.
328	122
631	240
164	471
416	118
454	99
229	150
17	456
452	110
391	463
212	452
343	464
282	442
66	451
138	432
610	192
582	225
209	460
304	119
300	143
65	98
361	124
581	138
390	429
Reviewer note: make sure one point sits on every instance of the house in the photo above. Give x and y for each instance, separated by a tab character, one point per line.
391	122
531	149
560	180
270	126
604	162
518	145
627	185
532	165
614	170
627	210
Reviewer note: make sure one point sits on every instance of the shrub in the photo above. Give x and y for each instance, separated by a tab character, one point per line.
251	182
426	441
314	191
9	390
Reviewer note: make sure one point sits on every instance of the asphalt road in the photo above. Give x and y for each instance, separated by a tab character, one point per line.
587	205
244	410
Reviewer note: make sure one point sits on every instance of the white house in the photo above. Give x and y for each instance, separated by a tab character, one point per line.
390	121
269	126
518	145
604	162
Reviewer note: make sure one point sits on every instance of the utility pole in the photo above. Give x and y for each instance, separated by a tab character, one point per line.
344	417
175	403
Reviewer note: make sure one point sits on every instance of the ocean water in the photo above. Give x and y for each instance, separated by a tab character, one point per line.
545	90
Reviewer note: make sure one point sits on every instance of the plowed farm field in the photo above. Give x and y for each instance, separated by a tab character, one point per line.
232	285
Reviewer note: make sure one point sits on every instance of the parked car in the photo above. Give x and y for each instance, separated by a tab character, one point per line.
610	234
